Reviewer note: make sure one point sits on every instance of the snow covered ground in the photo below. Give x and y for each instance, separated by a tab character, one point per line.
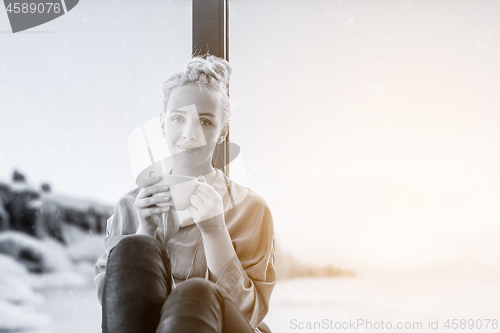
344	300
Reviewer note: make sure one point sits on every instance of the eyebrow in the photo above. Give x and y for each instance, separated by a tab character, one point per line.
201	114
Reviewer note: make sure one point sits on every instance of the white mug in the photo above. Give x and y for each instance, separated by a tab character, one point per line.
181	188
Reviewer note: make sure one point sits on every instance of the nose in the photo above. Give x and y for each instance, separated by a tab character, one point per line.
190	131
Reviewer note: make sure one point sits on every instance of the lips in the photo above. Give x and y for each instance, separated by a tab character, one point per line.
188	149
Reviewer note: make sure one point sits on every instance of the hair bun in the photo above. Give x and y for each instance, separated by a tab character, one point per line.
221	67
212	70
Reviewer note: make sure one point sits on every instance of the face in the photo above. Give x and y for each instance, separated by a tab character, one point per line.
192	125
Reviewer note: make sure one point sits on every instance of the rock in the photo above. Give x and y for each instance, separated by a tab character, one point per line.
36	255
16	198
15	285
59	217
18	290
4	217
44	214
9	266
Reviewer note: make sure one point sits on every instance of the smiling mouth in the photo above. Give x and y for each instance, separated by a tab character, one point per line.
188	150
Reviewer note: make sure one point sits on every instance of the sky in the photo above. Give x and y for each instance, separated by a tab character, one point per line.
370	127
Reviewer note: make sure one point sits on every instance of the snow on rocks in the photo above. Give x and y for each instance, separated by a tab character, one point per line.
28	265
19	317
17	298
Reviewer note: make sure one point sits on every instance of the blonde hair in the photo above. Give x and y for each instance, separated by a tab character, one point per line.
211	74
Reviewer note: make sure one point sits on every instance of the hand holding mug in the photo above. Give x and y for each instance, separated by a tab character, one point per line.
206	207
146	204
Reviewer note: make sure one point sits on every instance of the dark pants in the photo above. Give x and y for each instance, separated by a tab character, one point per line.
138	297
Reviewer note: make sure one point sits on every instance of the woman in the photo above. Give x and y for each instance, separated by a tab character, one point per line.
214	275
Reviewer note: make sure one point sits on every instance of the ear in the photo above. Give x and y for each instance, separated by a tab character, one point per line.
162	123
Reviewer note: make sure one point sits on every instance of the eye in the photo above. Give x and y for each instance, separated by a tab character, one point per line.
177	119
206	122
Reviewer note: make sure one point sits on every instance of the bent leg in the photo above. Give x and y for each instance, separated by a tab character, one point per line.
200	306
234	321
136	284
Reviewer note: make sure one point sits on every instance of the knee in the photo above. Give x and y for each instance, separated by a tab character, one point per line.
199	288
138	249
194	298
135	243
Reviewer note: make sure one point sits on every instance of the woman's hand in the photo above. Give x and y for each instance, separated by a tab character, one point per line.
206	207
145	204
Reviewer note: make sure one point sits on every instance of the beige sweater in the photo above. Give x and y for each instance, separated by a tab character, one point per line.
249	277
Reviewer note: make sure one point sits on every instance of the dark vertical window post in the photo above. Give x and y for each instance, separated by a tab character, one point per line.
211	34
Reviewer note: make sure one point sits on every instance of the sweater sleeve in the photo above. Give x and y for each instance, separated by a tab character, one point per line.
250	276
123	223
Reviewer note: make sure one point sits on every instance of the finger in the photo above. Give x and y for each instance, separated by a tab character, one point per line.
165	194
144	203
148	212
202	195
157	189
149	201
202	179
162	200
205	189
192	211
150	181
147	191
195	201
